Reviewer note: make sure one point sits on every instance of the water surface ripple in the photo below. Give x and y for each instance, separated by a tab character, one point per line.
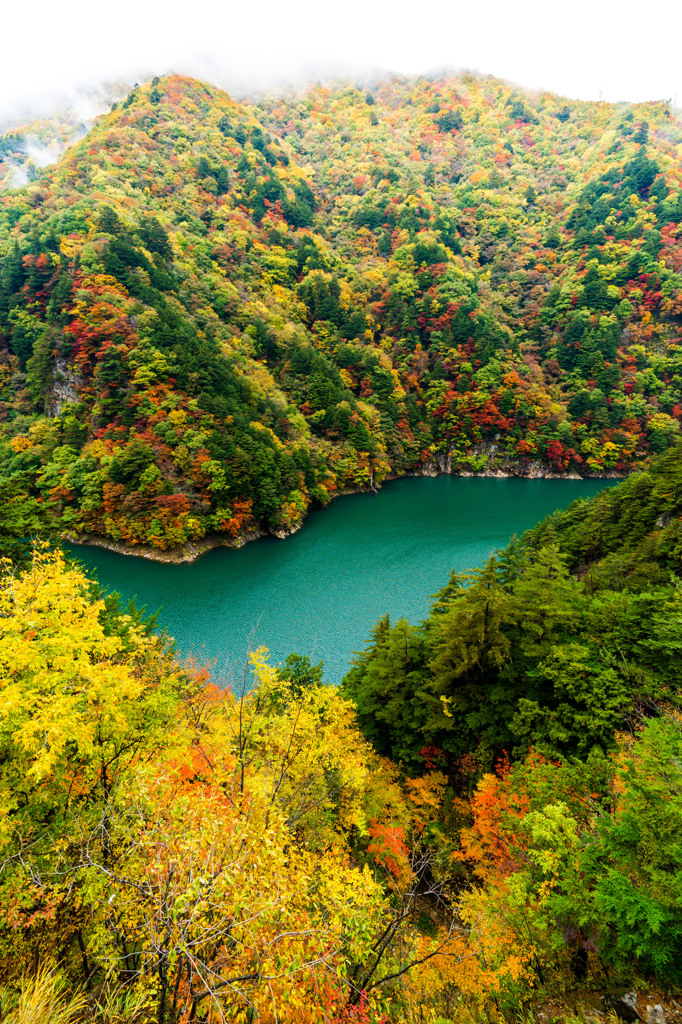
320	591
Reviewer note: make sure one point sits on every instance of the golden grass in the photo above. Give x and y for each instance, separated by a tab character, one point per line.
43	999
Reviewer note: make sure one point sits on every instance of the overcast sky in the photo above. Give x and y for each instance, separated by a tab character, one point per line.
584	49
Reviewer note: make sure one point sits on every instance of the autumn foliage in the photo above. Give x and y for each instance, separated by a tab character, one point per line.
193	850
227	316
214	315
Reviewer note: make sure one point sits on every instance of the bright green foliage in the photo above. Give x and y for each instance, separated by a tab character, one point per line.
579	862
230	315
637	862
630	534
212	316
521	654
470	645
576	702
388	687
300	672
23	516
182	836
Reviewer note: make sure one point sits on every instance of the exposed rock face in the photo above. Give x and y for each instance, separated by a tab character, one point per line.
626	1007
66	387
488	460
442	466
189	552
286	531
655	1014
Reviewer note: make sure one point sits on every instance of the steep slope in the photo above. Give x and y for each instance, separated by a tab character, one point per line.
232	856
213	314
29	142
145	345
570	634
569	216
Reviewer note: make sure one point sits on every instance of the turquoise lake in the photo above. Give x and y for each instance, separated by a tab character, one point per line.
321	591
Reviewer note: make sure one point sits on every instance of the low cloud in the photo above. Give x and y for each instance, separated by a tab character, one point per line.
589	52
18	176
42	156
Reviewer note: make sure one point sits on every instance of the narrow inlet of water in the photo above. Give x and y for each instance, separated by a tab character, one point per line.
321	591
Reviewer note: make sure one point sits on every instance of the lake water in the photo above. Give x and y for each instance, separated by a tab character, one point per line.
321	591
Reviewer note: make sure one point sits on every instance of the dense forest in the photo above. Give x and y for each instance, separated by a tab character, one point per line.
483	824
213	314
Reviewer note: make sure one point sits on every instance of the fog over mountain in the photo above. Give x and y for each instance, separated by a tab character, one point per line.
589	52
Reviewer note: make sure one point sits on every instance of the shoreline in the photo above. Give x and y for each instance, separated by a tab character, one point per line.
193	550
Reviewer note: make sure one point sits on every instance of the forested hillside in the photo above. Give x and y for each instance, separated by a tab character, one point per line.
571	633
213	314
503	844
28	144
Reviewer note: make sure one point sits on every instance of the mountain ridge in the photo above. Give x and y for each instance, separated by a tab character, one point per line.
214	313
